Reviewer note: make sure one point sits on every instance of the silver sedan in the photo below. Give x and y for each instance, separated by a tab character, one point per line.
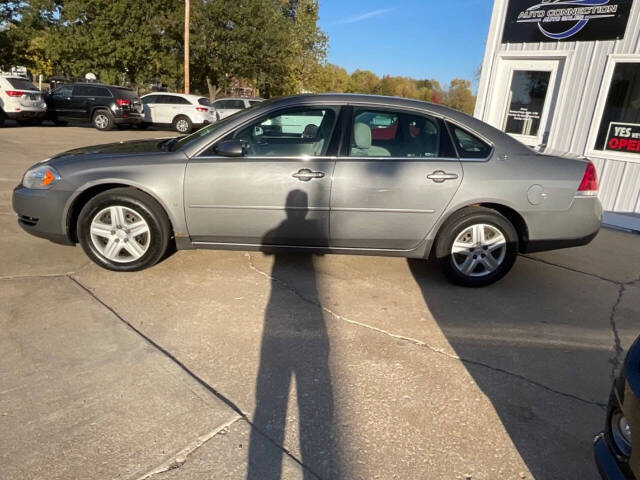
330	173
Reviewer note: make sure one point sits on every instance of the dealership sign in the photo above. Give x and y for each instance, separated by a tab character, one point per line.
565	20
624	137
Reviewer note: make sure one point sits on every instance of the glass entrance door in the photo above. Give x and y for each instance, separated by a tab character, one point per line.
525	111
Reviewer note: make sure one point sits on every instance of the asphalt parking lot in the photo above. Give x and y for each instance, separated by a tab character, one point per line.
235	365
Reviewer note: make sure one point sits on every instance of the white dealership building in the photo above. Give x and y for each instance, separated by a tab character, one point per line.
564	75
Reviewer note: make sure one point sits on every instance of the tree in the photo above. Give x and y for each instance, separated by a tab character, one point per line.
364	81
460	96
329	78
275	43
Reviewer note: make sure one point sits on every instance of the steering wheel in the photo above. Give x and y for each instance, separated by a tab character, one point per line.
247	146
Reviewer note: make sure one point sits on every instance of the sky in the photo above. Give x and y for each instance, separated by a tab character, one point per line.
441	39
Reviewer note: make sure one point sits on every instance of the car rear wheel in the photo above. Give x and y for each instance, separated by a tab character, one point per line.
102	120
477	247
124	230
182	124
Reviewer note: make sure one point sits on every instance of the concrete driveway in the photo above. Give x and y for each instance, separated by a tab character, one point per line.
235	365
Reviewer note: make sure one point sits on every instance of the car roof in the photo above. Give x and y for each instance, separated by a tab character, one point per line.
94	84
183	95
241	98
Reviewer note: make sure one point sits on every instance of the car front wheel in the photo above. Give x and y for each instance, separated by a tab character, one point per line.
124	230
477	247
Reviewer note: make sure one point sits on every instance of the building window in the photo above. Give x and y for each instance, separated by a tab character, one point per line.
620	125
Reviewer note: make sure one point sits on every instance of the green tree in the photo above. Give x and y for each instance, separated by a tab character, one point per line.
329	78
274	43
364	81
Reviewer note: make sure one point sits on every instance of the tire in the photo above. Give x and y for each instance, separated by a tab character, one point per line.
110	246
31	122
182	124
102	120
486	247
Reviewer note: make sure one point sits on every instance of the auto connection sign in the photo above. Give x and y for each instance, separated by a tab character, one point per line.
565	20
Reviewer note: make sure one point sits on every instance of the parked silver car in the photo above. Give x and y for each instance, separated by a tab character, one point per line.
333	173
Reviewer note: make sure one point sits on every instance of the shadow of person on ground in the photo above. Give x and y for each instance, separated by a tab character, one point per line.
499	332
295	347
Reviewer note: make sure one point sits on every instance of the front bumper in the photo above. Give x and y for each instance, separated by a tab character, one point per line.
608	465
40	212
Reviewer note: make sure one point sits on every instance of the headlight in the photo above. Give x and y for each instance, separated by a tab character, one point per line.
41	177
621	432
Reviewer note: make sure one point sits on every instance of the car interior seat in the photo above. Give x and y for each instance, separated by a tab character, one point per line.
362	146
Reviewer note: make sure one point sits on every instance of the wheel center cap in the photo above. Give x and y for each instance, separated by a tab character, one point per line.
121	234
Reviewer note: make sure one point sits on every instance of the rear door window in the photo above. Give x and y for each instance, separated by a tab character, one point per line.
379	133
179	100
99	92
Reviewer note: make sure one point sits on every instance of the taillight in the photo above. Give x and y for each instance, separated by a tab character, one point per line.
202	109
14	93
589	184
123	102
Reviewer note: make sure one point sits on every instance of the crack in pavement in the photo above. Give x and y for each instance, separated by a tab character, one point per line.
47	275
220	396
616	358
180	458
420	343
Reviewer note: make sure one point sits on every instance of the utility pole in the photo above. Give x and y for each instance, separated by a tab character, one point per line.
186	46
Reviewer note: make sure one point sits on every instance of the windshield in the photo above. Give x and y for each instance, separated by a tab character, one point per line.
209	129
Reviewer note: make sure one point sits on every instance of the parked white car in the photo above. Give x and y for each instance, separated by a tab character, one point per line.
183	112
228	106
20	100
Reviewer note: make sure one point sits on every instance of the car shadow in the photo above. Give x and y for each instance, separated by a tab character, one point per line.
528	380
294	350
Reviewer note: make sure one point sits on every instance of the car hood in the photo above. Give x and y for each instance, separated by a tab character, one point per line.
116	149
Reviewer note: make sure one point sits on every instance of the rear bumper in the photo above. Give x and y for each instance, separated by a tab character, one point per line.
40	212
129	119
550	230
26	114
608	465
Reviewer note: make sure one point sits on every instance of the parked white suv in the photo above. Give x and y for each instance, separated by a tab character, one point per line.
20	100
183	112
228	106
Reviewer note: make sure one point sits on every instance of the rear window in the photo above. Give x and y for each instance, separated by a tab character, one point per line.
126	93
204	101
21	84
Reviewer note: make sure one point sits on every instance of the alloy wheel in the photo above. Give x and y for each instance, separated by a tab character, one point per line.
101	121
479	250
120	234
182	125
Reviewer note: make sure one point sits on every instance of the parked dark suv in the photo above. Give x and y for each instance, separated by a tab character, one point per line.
102	105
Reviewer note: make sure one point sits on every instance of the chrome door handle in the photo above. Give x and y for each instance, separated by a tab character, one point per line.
439	176
305	175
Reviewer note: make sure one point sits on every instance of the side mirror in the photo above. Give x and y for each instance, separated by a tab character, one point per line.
230	148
